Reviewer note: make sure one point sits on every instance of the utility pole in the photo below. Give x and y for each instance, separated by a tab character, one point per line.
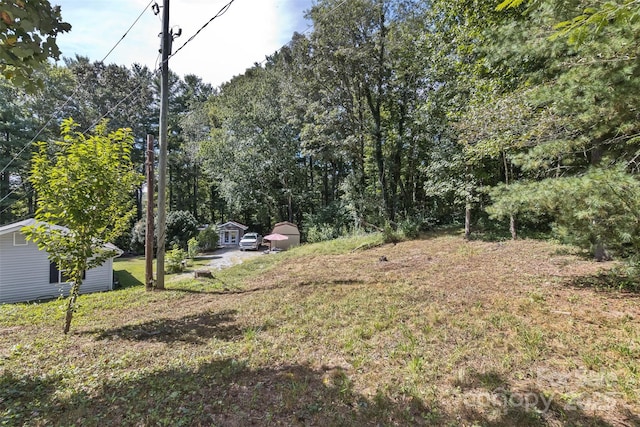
162	156
148	243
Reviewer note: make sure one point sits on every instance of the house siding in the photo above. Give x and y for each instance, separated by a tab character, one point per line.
24	274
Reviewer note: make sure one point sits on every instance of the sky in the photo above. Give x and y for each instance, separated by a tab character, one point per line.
243	36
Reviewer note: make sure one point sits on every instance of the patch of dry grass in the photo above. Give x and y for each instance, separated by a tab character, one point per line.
445	332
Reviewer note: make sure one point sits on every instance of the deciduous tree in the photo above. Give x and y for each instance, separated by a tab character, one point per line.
28	31
84	185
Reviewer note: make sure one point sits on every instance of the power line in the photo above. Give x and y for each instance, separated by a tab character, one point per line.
59	109
6	197
127	32
306	30
15	201
221	12
133	91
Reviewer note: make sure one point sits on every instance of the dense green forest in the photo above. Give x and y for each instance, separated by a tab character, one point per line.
516	117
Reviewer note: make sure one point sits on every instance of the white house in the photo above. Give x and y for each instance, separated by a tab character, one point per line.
26	274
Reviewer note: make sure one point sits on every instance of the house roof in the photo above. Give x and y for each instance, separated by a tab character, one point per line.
17	226
233	224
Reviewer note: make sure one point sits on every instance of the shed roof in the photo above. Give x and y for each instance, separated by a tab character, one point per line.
286	225
233	224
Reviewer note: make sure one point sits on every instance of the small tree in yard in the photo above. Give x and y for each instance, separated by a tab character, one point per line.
83	183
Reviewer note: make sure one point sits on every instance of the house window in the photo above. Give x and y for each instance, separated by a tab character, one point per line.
19	239
57	276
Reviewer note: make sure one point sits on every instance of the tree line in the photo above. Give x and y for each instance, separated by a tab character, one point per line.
520	116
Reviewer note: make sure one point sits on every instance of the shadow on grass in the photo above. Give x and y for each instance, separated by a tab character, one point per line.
230	290
126	279
193	329
613	282
337	282
206	257
489	392
230	393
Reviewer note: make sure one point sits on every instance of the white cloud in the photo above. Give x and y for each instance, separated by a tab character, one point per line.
245	34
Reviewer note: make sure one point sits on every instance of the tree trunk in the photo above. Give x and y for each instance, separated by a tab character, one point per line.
512	219
467	221
212	205
334	181
375	107
171	206
138	203
325	186
310	187
5	190
361	144
195	191
512	227
397	164
31	200
599	251
71	305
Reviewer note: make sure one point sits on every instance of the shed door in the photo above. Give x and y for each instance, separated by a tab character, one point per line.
230	237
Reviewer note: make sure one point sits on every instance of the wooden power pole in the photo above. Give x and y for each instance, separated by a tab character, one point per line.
148	242
162	155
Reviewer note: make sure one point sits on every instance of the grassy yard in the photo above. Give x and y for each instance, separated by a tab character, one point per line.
436	331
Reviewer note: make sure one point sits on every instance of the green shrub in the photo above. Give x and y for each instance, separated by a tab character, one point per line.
320	233
181	226
192	247
175	260
410	229
138	232
390	235
329	222
208	238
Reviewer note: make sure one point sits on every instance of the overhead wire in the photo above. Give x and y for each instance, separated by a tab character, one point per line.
132	92
59	109
221	12
108	112
127	32
224	10
27	194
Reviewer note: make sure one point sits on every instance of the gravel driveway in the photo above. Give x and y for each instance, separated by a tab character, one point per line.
226	257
